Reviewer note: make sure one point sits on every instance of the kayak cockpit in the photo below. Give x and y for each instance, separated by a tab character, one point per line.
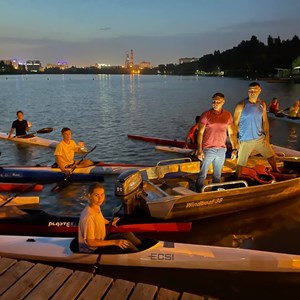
145	244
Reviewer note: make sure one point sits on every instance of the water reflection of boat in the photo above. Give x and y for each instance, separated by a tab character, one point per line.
167	191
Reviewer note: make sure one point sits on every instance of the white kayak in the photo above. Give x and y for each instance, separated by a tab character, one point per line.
35	140
157	254
22	200
280	151
174	149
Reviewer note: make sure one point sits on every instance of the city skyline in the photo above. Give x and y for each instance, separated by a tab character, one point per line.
85	33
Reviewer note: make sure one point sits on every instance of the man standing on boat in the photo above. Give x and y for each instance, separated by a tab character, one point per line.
211	143
252	126
21	126
65	151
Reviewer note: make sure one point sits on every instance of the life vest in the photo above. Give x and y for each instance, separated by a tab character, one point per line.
258	173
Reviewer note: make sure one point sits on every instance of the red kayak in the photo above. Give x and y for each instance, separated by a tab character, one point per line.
155	140
19	187
40	223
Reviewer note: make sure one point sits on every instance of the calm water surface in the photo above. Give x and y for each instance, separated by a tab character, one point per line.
102	110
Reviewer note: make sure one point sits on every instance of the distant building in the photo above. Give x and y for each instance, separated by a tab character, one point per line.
13	62
145	64
129	60
100	66
33	66
187	60
62	65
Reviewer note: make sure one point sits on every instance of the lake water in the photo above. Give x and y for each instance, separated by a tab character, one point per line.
103	109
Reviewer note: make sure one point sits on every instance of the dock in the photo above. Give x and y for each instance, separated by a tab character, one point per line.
20	279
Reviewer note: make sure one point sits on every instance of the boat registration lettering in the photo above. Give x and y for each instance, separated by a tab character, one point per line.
60	224
204	203
161	256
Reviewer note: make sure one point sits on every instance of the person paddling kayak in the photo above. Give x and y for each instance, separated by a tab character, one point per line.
65	151
92	234
21	125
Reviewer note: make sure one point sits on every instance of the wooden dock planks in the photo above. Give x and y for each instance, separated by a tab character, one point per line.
30	281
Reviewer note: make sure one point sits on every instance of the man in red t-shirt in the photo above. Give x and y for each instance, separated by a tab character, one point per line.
212	133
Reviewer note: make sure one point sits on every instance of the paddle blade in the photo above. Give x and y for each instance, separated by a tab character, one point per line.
60	185
45	130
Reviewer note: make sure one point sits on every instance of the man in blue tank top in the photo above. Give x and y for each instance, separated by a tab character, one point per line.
251	124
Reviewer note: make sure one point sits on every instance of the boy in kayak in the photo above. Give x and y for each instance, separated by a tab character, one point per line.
65	151
92	235
21	126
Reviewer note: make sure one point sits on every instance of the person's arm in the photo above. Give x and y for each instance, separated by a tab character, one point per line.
265	123
233	140
201	129
123	244
28	125
10	133
236	120
189	136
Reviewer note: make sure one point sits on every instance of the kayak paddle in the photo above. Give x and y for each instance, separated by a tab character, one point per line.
61	185
31	134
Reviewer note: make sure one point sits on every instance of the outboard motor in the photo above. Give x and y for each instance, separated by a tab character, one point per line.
128	186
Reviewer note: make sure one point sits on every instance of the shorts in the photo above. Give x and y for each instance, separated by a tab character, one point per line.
259	144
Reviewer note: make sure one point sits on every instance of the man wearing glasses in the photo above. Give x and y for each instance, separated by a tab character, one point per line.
252	126
211	142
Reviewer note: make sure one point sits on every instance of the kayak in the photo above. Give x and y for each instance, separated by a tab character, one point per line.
284	116
280	151
160	141
154	254
174	150
22	200
19	187
34	140
40	173
40	223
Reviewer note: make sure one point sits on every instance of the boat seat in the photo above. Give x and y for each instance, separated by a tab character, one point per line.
180	190
221	186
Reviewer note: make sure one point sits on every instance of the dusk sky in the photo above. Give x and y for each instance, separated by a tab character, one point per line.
86	32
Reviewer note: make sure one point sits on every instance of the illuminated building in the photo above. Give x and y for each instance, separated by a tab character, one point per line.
187	60
33	66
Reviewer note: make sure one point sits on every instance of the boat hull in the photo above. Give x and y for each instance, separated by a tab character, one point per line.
49	174
204	205
19	187
166	191
160	141
157	255
40	223
35	140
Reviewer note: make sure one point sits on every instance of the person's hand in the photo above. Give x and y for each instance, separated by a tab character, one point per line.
233	154
115	220
82	147
66	171
200	155
123	244
29	124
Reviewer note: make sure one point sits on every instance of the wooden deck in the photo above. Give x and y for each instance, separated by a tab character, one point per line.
28	280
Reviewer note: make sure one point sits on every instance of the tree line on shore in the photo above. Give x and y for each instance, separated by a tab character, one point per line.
251	58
